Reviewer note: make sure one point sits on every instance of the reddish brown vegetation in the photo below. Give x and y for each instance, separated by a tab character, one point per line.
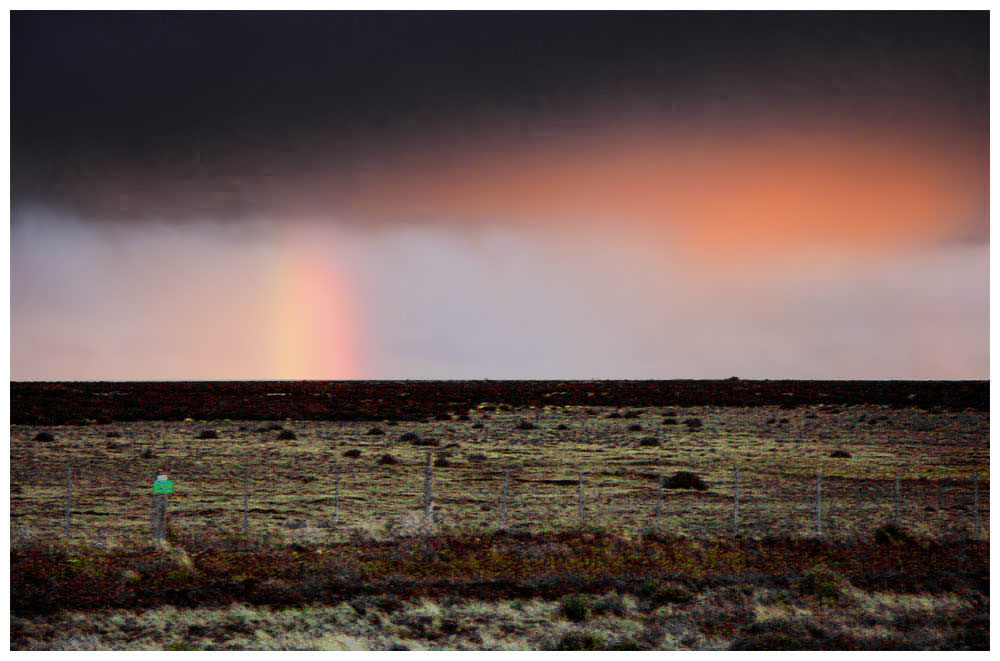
487	567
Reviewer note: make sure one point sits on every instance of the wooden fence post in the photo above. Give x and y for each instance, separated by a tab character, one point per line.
428	496
503	501
736	502
161	487
976	523
336	500
246	507
159	516
69	497
895	501
940	507
659	500
819	503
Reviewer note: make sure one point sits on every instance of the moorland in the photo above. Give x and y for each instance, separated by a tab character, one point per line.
298	518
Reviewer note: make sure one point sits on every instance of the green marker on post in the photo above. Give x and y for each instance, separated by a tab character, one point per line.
162	484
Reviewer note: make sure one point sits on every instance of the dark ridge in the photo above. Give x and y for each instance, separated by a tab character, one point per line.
62	403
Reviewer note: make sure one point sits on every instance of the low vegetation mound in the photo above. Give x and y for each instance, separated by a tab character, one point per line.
840	454
44	437
649	442
375	431
524	425
685	480
353	453
208	433
387	460
287	435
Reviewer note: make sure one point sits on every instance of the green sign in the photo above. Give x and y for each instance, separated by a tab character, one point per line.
163	486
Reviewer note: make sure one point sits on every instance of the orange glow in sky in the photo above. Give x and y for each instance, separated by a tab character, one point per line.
765	193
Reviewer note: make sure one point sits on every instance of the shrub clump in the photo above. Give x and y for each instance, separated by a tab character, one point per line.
387	460
575	607
824	583
840	454
670	593
685	480
669	421
353	453
579	641
388	603
287	435
442	462
44	437
649	442
611	603
892	533
477	456
635	427
375	431
525	425
208	433
693	423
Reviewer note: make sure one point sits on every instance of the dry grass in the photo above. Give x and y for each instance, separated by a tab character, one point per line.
743	616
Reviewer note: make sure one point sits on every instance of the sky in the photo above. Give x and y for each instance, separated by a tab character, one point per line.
503	195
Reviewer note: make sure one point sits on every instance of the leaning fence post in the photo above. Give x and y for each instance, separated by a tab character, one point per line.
579	497
69	497
819	503
428	496
975	504
503	501
736	502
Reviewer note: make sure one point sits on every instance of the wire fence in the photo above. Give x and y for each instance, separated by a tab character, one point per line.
350	506
474	476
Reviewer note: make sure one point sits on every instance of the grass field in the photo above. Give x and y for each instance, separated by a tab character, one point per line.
294	483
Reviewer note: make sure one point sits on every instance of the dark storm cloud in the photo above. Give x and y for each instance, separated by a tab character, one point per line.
180	113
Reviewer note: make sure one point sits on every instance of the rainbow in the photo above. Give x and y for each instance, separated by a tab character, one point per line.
312	314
